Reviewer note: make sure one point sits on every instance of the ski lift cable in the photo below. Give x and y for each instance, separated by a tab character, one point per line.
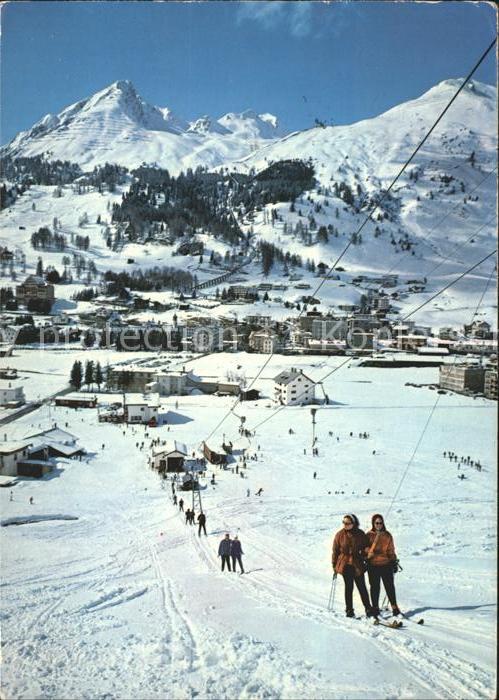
411	157
238	400
459	245
470	269
443	218
349	359
484	292
368	216
432	411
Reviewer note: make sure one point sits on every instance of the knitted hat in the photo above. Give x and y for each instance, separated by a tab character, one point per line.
353	518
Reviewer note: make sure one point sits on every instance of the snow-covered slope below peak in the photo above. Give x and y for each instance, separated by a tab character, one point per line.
176	123
373	150
205	125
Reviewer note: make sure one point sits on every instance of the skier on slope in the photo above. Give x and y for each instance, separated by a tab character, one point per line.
202	524
348	560
224	551
382	563
181	504
236	552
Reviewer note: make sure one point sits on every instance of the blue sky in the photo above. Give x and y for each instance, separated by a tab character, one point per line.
335	61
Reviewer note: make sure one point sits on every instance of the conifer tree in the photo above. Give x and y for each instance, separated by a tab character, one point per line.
98	377
89	372
76	375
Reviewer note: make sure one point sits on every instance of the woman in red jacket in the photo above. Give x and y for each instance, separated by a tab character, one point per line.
348	560
381	563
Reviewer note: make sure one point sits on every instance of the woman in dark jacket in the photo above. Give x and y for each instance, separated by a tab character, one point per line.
381	563
348	560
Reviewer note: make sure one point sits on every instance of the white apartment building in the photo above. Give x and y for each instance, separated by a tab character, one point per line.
141	408
293	388
11	394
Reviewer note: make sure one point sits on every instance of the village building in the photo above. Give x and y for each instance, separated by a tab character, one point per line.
8	373
107	317
213	456
234	340
142	408
259	321
55	442
249	395
11	394
225	388
363	323
293	388
77	399
237	291
438	349
490	383
217	386
168	384
475	346
329	328
264	341
37	463
130	378
462	378
36	288
169	457
326	347
11	453
447	333
478	329
298	338
360	341
306	321
205	337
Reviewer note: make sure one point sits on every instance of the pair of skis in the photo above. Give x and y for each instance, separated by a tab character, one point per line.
393	624
396	624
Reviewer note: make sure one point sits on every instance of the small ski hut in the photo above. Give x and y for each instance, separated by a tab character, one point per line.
76	400
170	457
214	457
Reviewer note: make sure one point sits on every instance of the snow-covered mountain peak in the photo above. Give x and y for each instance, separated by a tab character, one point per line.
473	90
251	125
120	100
205	125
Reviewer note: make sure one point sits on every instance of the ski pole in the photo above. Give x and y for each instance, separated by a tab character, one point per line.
332	593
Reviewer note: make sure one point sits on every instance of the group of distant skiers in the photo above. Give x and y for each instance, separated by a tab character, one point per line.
452	457
190	517
355	552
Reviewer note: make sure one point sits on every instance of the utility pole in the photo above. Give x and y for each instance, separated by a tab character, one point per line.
313	411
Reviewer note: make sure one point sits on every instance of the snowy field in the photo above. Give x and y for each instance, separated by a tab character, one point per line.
126	600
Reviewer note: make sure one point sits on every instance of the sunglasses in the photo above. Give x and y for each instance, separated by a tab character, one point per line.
379	522
347	522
